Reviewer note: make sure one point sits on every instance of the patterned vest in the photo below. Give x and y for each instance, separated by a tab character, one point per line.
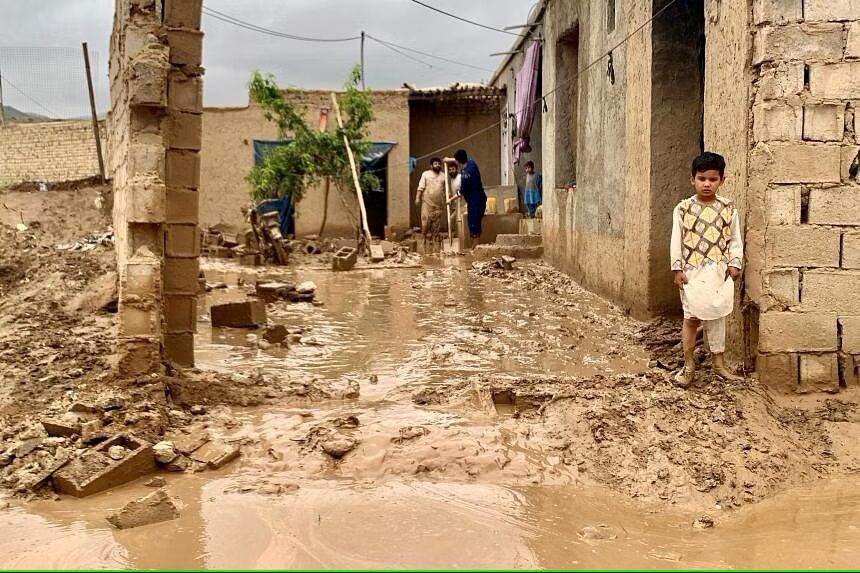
706	229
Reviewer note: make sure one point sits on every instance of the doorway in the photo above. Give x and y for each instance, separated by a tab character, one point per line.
677	129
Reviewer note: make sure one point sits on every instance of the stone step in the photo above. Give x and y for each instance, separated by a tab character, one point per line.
483	252
519	240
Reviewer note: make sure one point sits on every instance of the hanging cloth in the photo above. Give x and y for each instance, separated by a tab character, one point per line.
526	92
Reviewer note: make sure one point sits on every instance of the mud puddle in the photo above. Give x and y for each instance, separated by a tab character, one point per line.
403	524
421	326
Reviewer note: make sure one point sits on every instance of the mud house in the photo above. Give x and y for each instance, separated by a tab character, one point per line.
409	123
771	85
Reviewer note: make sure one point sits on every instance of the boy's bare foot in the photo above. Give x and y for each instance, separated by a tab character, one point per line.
685	376
721	370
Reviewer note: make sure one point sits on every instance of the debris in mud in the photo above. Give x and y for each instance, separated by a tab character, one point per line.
164	452
339	447
157	481
215	454
276	334
704	522
95	471
597	533
89	242
153	508
428	397
248	314
262	486
410	433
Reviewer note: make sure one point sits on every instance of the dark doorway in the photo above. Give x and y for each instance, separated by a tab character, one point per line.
677	128
567	104
376	199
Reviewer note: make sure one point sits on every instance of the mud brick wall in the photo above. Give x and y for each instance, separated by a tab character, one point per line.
51	151
154	141
804	223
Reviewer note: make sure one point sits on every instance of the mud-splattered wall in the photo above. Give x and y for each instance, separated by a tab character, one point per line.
52	151
154	134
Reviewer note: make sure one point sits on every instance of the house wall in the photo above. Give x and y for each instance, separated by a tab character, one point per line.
804	196
513	173
52	151
599	231
434	125
228	155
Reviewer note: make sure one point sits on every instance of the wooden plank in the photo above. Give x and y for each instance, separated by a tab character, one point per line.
355	180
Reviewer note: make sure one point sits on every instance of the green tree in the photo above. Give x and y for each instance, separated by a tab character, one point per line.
310	156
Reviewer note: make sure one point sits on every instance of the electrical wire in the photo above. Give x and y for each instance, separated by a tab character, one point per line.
211	12
450	15
428	54
540	99
6	81
405	55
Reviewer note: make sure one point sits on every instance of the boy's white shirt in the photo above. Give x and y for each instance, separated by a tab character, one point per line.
709	293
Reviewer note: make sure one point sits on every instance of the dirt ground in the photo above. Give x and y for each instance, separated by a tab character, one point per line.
445	372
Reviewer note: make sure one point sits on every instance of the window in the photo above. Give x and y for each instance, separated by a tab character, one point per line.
610	16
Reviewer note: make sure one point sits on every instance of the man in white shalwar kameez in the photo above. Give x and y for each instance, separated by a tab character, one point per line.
707	256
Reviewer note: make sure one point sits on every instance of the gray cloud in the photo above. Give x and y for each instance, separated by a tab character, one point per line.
231	53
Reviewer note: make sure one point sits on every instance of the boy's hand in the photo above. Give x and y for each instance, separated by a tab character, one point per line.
680	279
733	272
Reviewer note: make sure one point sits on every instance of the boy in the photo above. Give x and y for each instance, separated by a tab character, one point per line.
532	193
706	251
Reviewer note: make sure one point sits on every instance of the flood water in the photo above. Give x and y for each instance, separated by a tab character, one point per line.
411	328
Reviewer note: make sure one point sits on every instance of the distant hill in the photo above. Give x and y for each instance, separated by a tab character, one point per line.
18	116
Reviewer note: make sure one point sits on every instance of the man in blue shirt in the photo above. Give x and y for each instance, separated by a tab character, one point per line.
471	189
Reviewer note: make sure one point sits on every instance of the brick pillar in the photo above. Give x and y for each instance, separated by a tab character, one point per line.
805	191
154	138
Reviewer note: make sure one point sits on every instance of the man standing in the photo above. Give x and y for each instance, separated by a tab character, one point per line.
430	199
533	191
472	190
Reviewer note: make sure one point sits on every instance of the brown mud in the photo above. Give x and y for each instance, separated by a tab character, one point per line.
450	415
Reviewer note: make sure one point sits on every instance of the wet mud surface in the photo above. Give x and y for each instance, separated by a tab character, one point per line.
449	415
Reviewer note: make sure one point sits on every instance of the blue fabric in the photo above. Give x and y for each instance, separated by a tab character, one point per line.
472	190
471	186
284	207
475	214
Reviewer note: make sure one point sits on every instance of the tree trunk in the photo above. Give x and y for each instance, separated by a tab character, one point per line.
325	206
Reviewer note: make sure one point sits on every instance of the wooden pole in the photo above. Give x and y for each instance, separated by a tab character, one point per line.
93	111
363	85
2	105
448	206
354	172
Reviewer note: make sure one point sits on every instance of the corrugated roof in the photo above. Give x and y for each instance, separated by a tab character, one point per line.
456	88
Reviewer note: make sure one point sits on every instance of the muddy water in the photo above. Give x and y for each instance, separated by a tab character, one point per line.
422	325
411	328
430	524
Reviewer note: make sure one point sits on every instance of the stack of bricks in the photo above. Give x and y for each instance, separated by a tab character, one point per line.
804	192
154	142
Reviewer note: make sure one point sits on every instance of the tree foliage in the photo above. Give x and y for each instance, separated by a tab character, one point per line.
308	154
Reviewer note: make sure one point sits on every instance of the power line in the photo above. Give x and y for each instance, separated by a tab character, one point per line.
211	12
428	54
405	55
391	45
558	86
449	14
23	93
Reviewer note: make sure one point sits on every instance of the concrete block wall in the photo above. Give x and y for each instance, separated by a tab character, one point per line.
154	138
803	178
53	151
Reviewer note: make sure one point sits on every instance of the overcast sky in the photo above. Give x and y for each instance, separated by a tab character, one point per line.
55	80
